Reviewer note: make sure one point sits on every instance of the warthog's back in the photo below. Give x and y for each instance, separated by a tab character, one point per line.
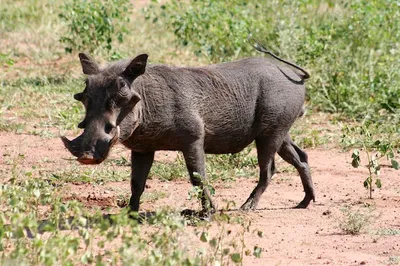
229	103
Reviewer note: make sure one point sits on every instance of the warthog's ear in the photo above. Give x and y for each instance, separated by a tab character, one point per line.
89	66
136	67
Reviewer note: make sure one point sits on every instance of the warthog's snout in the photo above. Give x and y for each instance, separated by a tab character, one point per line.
91	151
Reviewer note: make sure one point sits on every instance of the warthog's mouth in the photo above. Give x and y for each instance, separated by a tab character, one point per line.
90	157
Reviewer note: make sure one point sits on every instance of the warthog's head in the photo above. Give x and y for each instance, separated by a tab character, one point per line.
108	98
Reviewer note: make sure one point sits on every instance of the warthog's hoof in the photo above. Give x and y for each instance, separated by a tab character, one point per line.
249	205
305	202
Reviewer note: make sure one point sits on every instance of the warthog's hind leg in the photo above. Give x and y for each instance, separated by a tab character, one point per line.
292	154
266	149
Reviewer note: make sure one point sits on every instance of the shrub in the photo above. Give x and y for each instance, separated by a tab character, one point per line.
355	221
93	25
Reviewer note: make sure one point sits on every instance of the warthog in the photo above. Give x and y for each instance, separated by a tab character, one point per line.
215	109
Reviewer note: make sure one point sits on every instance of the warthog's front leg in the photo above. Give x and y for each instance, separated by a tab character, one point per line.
195	162
141	164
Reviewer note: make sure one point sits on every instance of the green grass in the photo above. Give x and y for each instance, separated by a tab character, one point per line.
98	175
225	167
388	232
9	126
169	171
154	196
42	103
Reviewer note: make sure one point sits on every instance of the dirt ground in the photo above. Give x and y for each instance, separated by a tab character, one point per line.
290	236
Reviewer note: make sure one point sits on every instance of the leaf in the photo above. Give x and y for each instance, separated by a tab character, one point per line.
225	251
236	257
204	237
36	193
366	183
395	164
356	159
378	183
257	252
213	242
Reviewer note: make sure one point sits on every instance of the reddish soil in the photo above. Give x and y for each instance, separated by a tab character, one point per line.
290	236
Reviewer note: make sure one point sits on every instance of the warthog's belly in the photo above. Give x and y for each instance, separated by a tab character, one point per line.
229	142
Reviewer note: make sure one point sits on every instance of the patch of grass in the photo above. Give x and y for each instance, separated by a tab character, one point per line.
394	260
169	171
153	196
122	161
388	232
283	180
68	234
43	103
284	167
122	200
226	167
354	222
375	148
10	126
6	59
16	15
29	33
98	175
315	129
223	167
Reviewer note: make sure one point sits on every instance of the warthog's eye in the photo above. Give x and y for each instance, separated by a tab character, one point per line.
123	92
123	89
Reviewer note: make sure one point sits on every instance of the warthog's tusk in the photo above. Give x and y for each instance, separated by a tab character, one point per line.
115	138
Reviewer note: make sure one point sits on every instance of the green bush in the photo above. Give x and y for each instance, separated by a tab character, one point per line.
94	25
221	33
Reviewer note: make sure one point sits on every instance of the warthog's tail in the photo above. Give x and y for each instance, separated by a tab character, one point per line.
262	49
